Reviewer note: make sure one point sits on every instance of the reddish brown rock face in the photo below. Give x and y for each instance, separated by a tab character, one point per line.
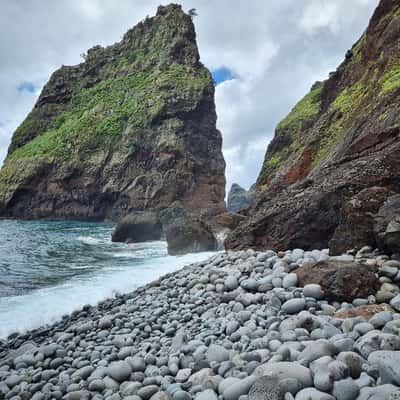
341	140
300	168
366	312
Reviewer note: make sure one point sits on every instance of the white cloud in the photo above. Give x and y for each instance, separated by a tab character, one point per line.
278	48
320	15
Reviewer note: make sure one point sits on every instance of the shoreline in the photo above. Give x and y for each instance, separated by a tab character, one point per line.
229	327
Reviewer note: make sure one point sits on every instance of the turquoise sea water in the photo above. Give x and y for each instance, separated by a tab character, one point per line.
50	268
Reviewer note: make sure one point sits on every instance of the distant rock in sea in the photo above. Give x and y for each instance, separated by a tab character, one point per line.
131	128
334	162
239	198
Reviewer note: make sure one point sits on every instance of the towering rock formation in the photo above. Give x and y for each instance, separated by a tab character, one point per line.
335	159
239	198
131	128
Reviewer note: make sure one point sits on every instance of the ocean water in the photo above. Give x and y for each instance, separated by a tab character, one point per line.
50	268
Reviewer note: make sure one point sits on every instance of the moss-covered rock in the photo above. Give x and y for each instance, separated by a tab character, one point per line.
133	127
339	141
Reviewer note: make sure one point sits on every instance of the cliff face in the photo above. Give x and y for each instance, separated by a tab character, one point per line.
239	198
131	128
337	152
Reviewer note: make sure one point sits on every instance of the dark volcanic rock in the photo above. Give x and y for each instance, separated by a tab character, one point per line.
138	227
239	198
356	225
387	225
188	234
133	127
340	281
340	139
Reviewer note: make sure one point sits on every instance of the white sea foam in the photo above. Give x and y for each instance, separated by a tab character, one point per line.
47	305
92	240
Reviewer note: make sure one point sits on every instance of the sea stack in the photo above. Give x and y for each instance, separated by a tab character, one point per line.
131	128
239	198
335	159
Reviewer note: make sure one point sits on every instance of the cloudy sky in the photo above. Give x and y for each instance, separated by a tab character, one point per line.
264	54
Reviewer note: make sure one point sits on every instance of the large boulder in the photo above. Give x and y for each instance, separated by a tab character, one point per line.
189	234
138	227
340	280
387	225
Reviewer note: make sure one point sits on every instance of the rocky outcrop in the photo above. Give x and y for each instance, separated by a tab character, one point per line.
132	128
339	280
184	231
239	198
188	234
387	225
337	144
139	227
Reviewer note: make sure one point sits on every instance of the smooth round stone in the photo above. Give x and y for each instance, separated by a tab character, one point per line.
181	395
293	306
363	327
147	391
217	353
284	370
105	323
380	319
388	363
313	394
119	370
395	303
290	385
207	394
353	361
360	302
388	271
313	290
297	254
137	364
183	375
239	388
225	383
231	283
129	388
231	327
345	389
77	395
250	285
290	280
277	282
317	350
381	392
97	385
266	388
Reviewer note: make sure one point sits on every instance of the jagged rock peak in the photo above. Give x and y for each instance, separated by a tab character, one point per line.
239	198
133	127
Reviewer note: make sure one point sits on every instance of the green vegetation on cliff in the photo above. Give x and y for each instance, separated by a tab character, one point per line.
391	79
306	109
102	112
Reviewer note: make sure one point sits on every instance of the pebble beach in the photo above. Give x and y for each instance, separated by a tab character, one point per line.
238	326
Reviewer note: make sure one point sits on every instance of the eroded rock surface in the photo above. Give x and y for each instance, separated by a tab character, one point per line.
131	128
341	139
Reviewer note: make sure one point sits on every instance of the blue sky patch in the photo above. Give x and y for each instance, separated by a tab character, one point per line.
26	86
222	74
